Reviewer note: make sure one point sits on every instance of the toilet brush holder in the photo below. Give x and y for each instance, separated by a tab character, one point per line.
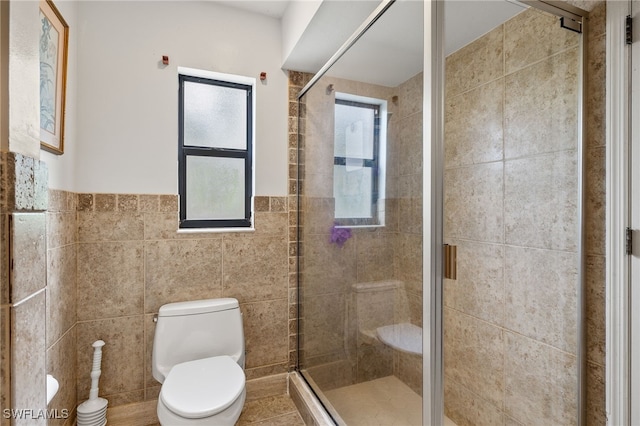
93	412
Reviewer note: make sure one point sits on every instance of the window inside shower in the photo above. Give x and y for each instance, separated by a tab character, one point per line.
359	160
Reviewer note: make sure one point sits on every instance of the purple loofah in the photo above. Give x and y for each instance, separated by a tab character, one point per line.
339	235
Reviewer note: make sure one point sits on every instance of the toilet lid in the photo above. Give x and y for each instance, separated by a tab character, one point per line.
203	387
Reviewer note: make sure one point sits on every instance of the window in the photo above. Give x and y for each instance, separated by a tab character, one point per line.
215	170
358	162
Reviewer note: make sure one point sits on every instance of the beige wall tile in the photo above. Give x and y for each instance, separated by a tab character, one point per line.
545	375
148	202
122	357
541	201
164	226
61	292
266	332
266	371
473	203
105	202
373	309
182	270
410	95
475	64
374	362
327	267
479	288
109	226
541	106
149	335
20	186
267	386
541	293
408	261
534	35
474	354
28	359
61	364
127	202
324	324
596	414
374	254
466	408
595	201
255	268
110	279
408	368
474	126
28	254
409	141
5	256
5	358
125	398
595	319
319	214
168	203
86	202
595	93
272	223
61	229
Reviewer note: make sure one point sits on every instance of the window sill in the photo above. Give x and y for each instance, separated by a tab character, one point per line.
358	226
213	230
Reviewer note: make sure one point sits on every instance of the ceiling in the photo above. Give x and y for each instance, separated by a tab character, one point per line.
392	49
272	8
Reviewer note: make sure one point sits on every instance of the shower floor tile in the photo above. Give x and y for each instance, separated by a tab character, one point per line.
384	402
381	402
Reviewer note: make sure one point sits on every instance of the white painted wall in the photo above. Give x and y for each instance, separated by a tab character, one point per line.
62	168
295	20
127	122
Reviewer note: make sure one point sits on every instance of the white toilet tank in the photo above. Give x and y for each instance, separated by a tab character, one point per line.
198	329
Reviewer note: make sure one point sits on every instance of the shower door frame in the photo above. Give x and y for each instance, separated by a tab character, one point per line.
433	189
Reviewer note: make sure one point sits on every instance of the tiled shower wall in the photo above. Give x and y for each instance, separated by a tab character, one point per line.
333	351
510	179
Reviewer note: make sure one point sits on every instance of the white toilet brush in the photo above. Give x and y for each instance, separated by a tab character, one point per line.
93	412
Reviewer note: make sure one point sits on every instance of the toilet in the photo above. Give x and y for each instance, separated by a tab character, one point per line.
198	356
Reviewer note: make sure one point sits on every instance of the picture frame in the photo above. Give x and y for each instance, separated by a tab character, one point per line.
54	44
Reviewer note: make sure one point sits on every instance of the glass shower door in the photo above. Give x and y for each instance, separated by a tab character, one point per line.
512	207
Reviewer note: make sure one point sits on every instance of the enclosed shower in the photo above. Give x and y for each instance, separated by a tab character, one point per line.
505	182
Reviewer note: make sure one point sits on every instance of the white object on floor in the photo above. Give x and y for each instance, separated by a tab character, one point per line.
52	387
94	411
404	337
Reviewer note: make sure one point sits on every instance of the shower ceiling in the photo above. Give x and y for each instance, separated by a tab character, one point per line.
389	53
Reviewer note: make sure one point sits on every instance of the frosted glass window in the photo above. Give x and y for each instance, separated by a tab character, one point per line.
215	116
352	190
354	131
356	162
215	188
215	162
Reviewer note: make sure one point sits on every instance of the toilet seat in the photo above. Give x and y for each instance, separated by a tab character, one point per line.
202	388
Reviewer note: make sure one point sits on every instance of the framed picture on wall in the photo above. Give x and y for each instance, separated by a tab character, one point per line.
54	40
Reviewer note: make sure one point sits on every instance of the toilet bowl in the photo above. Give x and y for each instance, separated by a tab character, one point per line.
198	356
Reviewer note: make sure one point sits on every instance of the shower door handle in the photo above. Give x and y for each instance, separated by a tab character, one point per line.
450	262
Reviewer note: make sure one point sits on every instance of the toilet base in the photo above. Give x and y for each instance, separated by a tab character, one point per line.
228	417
